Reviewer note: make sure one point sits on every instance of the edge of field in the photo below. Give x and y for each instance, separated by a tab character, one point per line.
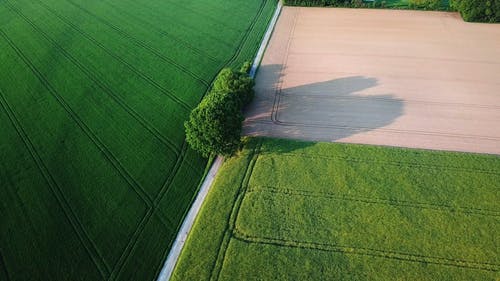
211	170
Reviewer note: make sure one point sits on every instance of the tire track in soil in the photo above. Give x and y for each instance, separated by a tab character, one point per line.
369	200
241	236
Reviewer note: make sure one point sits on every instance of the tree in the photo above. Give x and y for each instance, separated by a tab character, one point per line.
214	126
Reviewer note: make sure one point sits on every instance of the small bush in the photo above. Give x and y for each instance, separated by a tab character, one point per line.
424	4
214	126
478	10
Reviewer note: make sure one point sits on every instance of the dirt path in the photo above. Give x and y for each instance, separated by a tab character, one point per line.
400	78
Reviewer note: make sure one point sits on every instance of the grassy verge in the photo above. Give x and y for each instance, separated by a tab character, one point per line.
95	174
286	210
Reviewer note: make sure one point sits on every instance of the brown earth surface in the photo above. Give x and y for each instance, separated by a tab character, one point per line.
387	77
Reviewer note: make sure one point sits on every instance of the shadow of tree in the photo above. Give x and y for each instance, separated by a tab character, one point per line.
323	111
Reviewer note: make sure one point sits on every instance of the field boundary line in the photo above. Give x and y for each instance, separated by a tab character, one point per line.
145	77
172	258
393	163
141	44
392	202
239	235
55	189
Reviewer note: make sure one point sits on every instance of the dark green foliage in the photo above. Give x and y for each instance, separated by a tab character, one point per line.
214	126
391	4
478	10
245	68
318	3
424	4
237	83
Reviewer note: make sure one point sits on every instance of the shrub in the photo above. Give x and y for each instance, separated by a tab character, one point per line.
335	3
424	4
478	10
214	126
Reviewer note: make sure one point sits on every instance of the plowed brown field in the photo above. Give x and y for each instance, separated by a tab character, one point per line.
399	78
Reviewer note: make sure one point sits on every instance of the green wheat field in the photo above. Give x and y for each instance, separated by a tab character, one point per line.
95	174
287	210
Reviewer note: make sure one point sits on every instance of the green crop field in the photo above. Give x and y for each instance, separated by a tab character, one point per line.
285	210
95	175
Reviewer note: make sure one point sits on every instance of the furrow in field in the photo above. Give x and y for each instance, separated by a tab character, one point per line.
424	259
107	89
235	55
142	44
103	113
82	234
205	14
395	163
375	200
147	78
187	27
399	183
466	240
118	267
176	38
97	142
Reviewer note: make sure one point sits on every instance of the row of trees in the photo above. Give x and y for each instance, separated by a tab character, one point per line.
412	4
214	126
471	10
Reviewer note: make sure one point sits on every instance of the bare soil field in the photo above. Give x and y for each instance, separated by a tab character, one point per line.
387	77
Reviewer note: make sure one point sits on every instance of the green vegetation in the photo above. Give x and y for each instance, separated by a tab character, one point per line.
214	126
96	175
478	10
391	4
285	210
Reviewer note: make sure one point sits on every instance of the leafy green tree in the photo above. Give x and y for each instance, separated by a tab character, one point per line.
238	83
214	126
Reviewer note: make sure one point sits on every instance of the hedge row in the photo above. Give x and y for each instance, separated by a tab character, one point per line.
214	126
412	4
324	3
471	10
478	10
